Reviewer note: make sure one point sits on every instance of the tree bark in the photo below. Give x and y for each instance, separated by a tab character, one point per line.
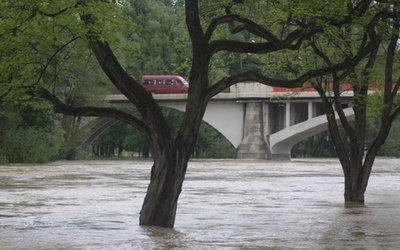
160	204
356	182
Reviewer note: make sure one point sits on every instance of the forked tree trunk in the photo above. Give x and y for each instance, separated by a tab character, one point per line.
355	184
353	192
356	170
168	173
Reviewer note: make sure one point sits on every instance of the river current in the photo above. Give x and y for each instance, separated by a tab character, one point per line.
225	204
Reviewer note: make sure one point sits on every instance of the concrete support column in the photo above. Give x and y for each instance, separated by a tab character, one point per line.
253	144
287	115
310	110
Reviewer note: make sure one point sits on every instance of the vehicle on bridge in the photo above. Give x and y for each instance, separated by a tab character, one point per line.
165	84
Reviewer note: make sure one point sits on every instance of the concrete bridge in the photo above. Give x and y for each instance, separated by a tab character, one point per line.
259	121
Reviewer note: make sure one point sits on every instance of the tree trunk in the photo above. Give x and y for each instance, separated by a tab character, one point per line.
353	192
171	158
356	171
170	155
160	204
355	183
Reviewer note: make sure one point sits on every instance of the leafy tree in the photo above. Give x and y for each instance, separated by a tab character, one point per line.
37	47
379	28
28	135
346	41
159	28
94	22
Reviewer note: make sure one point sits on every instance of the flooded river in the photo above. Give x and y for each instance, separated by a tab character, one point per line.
225	204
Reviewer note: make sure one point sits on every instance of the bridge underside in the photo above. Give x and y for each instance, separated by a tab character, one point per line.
99	127
258	128
271	130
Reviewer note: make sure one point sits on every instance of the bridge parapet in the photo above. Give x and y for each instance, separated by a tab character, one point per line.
250	87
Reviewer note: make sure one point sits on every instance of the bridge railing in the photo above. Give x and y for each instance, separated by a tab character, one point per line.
224	96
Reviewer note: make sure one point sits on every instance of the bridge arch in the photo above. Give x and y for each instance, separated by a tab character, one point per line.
282	142
98	127
225	117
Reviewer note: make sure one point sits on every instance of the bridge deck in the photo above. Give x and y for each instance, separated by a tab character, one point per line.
238	96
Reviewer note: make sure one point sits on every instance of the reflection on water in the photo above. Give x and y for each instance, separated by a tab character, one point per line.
224	204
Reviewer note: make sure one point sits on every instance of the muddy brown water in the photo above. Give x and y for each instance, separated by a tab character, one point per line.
225	204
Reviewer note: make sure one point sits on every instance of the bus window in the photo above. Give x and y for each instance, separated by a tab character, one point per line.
182	82
148	82
169	82
159	82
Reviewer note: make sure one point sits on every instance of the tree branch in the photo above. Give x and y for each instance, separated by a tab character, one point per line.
288	83
248	25
60	107
53	56
305	31
272	44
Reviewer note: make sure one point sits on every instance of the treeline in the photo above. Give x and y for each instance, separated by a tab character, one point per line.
34	135
29	135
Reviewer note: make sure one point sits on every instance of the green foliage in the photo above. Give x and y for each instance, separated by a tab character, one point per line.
392	145
29	135
161	36
32	145
375	109
43	45
226	63
212	144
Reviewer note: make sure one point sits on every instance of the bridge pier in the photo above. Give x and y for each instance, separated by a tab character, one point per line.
281	157
253	144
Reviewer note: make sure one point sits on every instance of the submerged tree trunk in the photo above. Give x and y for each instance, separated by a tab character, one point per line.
356	182
350	152
160	204
169	167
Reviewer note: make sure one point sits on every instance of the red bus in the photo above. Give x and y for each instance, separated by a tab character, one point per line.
165	84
